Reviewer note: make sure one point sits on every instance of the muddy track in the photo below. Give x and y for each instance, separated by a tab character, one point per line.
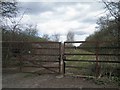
27	80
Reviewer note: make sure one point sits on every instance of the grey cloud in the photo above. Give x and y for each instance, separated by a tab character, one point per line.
91	20
88	19
84	16
37	7
34	7
97	6
84	19
80	32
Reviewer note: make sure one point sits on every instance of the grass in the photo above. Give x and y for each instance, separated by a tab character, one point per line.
88	68
79	57
83	66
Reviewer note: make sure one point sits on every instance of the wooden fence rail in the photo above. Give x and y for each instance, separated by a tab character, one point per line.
57	49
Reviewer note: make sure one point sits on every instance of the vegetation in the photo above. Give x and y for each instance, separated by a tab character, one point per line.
108	30
70	37
13	30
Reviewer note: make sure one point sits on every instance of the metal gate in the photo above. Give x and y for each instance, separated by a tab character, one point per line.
88	57
40	57
49	57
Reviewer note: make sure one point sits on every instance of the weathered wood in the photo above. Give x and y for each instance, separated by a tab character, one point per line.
92	47
101	61
92	54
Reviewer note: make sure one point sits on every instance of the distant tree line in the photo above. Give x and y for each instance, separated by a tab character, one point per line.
108	27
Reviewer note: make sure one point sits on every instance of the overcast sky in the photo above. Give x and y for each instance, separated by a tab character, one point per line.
63	16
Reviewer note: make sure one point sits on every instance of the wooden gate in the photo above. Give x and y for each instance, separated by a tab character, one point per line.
40	57
49	57
88	57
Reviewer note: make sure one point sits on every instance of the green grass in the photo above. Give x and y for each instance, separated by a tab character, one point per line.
79	57
84	67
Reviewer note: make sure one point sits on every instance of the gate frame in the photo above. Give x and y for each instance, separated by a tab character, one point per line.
21	59
62	53
96	54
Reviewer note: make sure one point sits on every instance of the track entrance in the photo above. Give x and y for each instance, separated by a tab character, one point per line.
86	59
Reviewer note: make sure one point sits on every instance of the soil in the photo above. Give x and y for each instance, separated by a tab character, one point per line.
29	80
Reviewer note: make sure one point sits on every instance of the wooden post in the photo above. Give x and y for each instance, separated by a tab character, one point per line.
97	71
20	63
60	57
118	51
62	61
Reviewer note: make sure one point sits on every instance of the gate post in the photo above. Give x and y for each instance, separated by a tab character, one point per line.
20	63
61	60
97	64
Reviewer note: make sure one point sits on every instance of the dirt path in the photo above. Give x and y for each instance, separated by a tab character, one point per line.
27	80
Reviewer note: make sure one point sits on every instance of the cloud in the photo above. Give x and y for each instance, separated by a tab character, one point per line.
35	7
80	32
59	0
61	17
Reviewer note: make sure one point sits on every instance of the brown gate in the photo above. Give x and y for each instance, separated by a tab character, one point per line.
90	58
40	57
87	59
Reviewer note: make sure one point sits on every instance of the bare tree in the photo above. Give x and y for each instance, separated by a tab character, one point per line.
114	10
31	30
56	37
70	36
8	9
46	36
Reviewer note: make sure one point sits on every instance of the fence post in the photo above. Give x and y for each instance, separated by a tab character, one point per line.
61	60
20	63
97	71
60	57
